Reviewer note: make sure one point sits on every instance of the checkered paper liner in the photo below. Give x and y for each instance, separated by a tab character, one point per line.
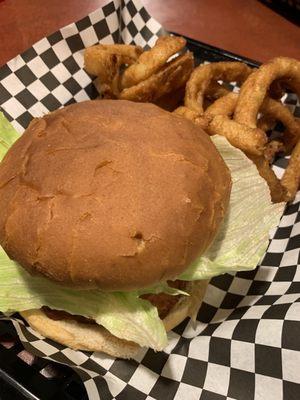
245	343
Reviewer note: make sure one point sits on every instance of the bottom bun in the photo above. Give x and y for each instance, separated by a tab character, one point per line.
92	337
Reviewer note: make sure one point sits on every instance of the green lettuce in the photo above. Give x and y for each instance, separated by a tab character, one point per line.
124	314
239	245
244	235
8	135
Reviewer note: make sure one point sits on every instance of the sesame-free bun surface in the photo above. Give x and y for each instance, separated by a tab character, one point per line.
111	194
92	337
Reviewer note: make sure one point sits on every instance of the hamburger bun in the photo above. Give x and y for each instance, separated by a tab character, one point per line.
111	194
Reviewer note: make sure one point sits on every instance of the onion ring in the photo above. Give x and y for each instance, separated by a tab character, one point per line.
152	60
291	176
218	115
286	188
219	122
171	77
105	61
204	75
240	135
255	88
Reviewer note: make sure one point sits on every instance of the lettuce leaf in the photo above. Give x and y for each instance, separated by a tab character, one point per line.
244	235
8	135
124	314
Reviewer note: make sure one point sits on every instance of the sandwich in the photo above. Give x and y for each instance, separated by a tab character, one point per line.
114	216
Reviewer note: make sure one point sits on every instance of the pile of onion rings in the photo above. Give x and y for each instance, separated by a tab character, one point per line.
245	118
165	75
129	73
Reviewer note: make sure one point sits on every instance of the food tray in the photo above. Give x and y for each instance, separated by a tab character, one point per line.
23	376
242	348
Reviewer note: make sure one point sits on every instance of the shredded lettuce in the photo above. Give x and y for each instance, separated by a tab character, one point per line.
244	235
239	245
124	314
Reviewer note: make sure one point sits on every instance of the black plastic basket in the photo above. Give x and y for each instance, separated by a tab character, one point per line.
24	376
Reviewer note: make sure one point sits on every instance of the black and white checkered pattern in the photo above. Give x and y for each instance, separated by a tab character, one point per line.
245	343
50	74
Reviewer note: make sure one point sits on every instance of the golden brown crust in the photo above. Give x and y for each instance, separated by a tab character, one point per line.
111	194
171	77
90	337
149	62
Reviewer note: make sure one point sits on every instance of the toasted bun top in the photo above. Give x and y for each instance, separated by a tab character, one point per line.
111	194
